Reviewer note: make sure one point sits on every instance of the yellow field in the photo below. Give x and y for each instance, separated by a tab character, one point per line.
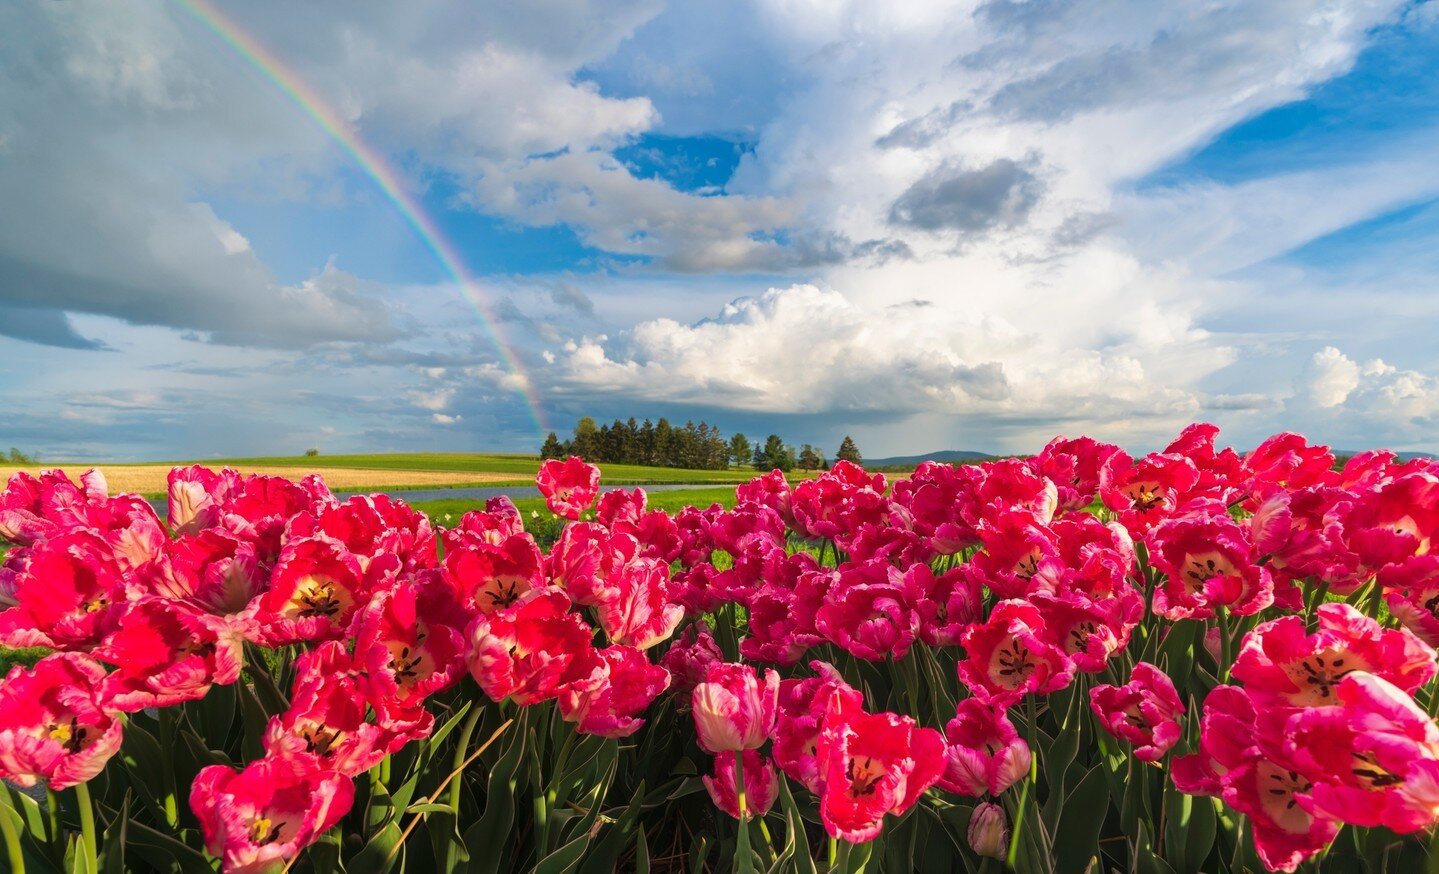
149	479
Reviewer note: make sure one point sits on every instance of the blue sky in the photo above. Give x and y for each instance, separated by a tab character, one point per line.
930	225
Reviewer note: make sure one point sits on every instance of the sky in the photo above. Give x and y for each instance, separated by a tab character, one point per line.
965	225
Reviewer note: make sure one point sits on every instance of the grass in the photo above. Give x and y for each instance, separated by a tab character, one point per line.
523	467
448	512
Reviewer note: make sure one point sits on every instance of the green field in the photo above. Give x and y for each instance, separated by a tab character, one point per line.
672	502
524	467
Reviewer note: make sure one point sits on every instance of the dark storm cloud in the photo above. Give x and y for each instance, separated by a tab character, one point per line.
969	201
44	326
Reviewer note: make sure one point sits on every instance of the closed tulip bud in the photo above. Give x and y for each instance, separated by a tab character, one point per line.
989	831
734	708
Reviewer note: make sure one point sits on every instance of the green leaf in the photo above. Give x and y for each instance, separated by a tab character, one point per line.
142	757
252	742
112	854
217	714
172	853
1203	822
379	855
266	690
605	856
566	859
489	838
642	853
1076	840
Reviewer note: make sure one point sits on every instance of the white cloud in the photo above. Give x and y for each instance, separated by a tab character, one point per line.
1330	378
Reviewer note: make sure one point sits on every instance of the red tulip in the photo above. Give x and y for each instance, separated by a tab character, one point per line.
761	784
531	650
872	765
256	820
734	708
55	724
569	486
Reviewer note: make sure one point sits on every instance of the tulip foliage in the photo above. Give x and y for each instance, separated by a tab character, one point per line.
1191	661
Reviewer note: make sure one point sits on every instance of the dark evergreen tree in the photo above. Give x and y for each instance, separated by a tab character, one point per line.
552	447
848	451
809	458
739	450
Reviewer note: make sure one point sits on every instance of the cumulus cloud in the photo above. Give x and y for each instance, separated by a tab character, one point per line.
1344	398
805	349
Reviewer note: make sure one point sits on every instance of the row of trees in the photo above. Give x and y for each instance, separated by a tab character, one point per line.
18	457
698	447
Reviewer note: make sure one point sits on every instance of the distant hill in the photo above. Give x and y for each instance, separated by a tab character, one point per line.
1402	456
946	456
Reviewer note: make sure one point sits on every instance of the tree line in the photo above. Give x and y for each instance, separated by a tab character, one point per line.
695	446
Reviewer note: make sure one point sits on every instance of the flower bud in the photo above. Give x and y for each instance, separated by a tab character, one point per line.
989	831
734	708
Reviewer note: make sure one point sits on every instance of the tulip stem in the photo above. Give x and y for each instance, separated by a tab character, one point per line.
12	837
1226	643
743	862
1019	812
87	827
457	787
167	765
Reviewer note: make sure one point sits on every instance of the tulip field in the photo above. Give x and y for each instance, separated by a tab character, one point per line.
1195	660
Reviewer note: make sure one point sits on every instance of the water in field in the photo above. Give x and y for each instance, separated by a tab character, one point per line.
477	493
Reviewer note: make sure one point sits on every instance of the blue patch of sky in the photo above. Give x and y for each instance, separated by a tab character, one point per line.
695	164
1391	91
1404	237
367	235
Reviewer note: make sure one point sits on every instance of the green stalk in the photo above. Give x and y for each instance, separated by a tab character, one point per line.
87	828
466	731
1014	836
167	765
743	861
1226	644
12	837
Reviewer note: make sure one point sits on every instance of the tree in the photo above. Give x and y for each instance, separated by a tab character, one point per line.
552	447
774	455
740	451
311	453
587	439
848	451
809	458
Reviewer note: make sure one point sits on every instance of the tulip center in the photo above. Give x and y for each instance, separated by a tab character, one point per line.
320	739
264	831
95	605
863	774
408	664
502	592
1013	664
1372	774
71	735
1135	717
1317	675
1145	496
1078	638
318	596
1277	788
1028	566
1204	567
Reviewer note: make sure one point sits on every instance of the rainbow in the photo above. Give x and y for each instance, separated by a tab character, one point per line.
374	165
